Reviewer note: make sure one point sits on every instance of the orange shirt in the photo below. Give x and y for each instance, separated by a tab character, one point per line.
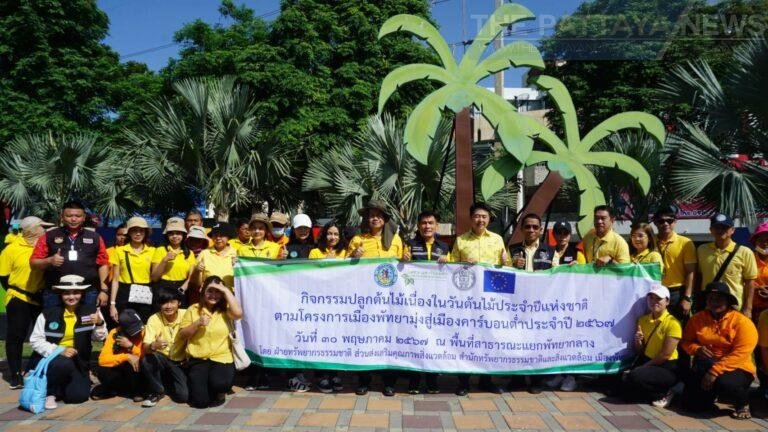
732	339
760	303
107	357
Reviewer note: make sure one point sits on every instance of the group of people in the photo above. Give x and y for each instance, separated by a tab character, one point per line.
171	308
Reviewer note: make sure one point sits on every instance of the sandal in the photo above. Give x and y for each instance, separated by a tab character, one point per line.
741	413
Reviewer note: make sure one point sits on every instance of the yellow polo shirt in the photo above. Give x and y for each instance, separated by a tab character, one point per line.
316	253
176	269
11	238
70	319
210	342
648	256
157	325
266	250
742	267
140	264
237	244
372	247
485	248
221	264
676	252
669	326
14	263
611	244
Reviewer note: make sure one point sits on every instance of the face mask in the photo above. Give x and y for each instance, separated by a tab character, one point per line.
761	251
278	232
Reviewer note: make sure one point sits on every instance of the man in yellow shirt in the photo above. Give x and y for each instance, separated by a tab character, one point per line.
478	245
678	254
603	246
741	271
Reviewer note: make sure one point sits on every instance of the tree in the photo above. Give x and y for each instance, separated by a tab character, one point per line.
208	143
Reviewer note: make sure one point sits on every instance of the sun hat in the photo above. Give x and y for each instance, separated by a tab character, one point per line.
761	229
375	204
33	221
130	322
263	218
279	218
136	222
197	232
659	290
71	282
174	224
302	220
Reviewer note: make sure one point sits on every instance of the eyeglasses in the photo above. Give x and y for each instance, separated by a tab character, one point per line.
670	221
533	227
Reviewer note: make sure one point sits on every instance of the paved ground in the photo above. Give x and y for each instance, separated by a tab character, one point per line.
313	411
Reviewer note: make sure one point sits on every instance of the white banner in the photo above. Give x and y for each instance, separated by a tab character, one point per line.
384	314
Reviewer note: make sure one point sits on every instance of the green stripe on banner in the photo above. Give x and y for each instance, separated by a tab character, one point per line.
586	368
254	266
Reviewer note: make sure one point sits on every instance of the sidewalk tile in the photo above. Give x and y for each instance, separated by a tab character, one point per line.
337	403
733	424
630	422
246	402
522	395
520	421
472	421
617	406
326	420
526	405
679	422
291	403
9	397
573	406
422	422
168	416
577	422
478	405
569	395
384	405
365	420
267	419
68	412
15	414
80	427
135	429
431	405
216	418
119	415
34	427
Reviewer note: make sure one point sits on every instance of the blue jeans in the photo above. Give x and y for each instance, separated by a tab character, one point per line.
52	298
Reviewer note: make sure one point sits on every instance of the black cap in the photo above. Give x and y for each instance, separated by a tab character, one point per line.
222	228
130	322
721	220
562	227
718	287
666	210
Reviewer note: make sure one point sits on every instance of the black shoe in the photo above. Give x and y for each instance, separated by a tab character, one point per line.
461	391
361	390
388	391
100	393
534	389
151	400
490	387
414	390
16	381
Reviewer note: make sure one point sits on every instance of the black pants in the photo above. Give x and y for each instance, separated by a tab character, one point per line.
121	379
68	381
485	380
122	303
650	383
165	376
20	315
207	380
730	387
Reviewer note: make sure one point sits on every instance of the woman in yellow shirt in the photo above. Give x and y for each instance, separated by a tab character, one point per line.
205	327
218	260
260	247
121	235
642	245
331	244
131	266
173	264
379	238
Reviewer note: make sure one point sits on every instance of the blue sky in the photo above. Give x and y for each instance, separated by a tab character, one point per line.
142	30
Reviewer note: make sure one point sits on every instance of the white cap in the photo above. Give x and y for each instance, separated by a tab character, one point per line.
302	220
31	221
197	232
660	291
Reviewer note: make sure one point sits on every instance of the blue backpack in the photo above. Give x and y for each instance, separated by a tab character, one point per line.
32	397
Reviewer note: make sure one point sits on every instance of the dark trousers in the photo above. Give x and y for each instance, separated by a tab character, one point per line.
730	387
52	298
161	373
650	383
207	380
120	379
389	378
20	315
67	381
485	380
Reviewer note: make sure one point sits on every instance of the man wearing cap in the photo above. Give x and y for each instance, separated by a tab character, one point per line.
603	246
738	273
478	245
23	296
277	234
218	260
72	249
119	360
678	255
721	342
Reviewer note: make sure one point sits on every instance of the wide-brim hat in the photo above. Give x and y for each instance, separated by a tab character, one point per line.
280	218
174	224
222	228
375	204
33	221
761	229
197	232
263	218
718	287
71	282
136	222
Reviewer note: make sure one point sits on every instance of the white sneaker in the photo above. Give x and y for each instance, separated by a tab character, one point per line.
664	401
554	381
50	402
569	384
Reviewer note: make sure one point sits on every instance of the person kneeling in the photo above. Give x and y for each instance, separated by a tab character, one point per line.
119	360
161	364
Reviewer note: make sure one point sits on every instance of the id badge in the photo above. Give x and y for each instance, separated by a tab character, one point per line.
72	255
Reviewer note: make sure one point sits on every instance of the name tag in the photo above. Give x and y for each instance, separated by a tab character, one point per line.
72	255
86	319
88	240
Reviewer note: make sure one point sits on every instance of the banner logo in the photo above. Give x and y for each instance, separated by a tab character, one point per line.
463	279
385	275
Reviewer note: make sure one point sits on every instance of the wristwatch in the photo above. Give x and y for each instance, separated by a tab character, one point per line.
686	298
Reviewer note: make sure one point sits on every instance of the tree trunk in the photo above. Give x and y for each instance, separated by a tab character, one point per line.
539	202
465	191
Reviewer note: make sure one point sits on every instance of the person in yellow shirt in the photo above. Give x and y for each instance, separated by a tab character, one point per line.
131	267
260	247
13	234
218	260
331	244
243	234
173	264
22	292
379	237
678	254
741	272
642	246
654	371
603	246
478	245
205	327
121	236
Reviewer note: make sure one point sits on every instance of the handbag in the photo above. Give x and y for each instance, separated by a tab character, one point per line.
242	360
32	397
139	294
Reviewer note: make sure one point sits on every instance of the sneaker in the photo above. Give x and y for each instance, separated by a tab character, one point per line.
665	401
337	384
16	382
50	402
361	390
569	384
298	384
553	382
324	385
388	391
151	400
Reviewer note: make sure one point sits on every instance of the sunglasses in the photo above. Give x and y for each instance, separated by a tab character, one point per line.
665	220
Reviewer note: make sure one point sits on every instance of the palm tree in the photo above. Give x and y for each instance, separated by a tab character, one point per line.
730	116
570	157
461	88
40	172
209	142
